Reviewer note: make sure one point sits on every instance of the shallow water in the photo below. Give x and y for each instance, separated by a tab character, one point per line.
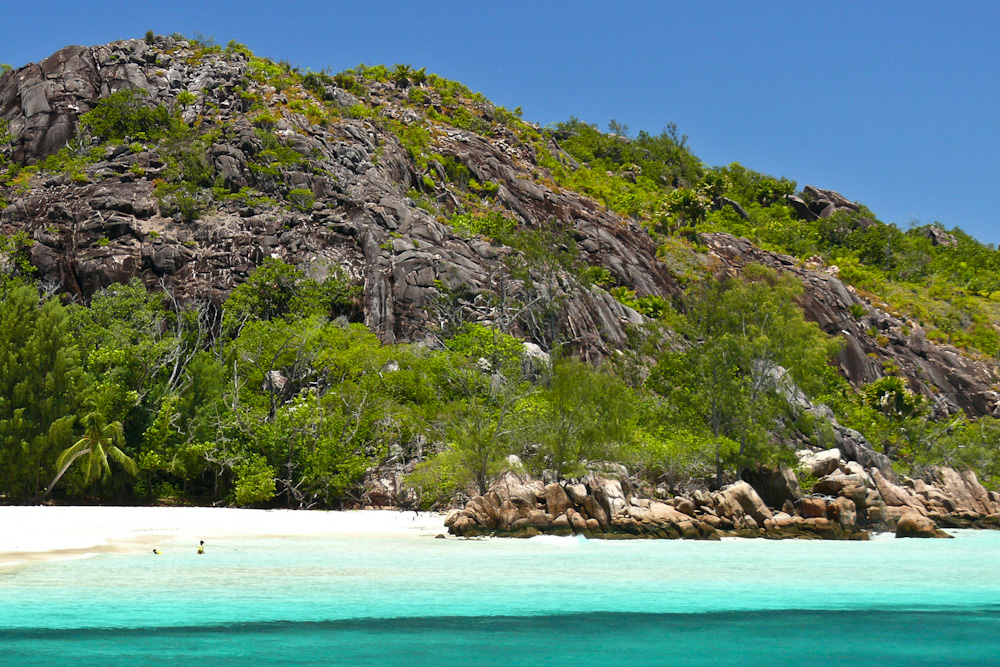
356	601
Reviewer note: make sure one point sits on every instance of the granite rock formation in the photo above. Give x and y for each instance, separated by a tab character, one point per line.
846	502
110	226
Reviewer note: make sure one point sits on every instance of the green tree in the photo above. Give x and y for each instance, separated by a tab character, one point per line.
667	448
685	206
547	256
129	337
41	380
903	427
480	430
99	442
581	414
322	443
277	290
749	352
6	140
15	265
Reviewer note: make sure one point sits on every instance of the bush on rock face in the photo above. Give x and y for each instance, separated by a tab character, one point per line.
124	115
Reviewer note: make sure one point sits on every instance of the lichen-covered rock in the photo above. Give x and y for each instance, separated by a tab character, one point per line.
361	220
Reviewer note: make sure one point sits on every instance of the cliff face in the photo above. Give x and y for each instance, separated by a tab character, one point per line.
110	228
366	213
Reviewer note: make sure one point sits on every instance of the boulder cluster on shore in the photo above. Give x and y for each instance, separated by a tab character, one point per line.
846	501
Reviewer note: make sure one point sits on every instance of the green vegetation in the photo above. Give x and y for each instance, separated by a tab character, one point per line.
749	347
289	404
6	141
186	98
283	398
301	199
122	116
947	288
98	442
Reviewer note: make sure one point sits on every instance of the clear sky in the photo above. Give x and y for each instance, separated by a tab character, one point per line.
894	104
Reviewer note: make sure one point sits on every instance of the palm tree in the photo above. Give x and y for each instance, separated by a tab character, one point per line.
401	75
97	444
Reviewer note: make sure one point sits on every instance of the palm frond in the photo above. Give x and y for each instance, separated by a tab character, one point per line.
80	447
124	459
101	455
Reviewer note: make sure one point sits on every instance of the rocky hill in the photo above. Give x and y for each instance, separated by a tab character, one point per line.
363	206
109	226
187	165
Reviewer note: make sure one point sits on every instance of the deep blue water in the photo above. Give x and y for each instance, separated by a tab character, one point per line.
728	638
548	601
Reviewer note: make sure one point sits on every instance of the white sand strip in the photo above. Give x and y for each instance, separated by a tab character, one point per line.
42	532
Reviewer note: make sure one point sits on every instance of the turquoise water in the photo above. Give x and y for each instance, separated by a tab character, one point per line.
545	601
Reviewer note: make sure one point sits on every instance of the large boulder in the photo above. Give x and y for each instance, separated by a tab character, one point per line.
940	237
916	525
740	499
685	506
895	496
773	486
610	496
819	464
850	486
519	489
843	511
665	513
812	508
594	510
825	203
556	500
964	491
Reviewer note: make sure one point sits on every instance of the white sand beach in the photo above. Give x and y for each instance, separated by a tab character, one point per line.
43	532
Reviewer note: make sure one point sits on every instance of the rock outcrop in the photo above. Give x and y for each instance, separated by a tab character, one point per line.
951	381
817	203
106	224
366	208
846	501
915	525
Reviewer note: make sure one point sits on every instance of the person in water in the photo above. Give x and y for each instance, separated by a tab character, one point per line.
201	547
155	552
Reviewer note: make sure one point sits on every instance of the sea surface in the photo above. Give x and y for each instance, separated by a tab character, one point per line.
544	601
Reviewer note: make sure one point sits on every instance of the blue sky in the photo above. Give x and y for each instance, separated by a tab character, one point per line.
894	104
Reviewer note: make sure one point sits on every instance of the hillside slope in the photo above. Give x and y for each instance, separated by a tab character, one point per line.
108	226
188	166
104	223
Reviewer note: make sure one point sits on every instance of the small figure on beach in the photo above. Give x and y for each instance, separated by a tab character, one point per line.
156	552
201	547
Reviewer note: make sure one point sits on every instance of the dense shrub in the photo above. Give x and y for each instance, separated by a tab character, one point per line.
124	115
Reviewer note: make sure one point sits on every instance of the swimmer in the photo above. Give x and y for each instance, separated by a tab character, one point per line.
156	552
201	547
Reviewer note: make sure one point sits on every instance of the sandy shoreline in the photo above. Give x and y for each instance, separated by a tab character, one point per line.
42	532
